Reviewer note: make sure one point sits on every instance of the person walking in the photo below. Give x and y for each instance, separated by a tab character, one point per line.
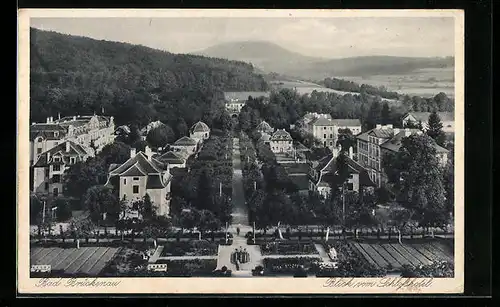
238	231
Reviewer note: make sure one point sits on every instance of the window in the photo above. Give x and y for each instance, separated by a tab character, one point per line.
72	160
124	180
57	159
324	128
331	143
55	191
56	133
135	189
56	167
350	186
331	136
324	136
136	178
38	150
46	185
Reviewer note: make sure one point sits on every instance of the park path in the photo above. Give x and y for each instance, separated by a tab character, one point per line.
322	252
240	220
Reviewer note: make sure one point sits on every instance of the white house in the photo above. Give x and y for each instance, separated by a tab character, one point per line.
281	142
447	119
199	131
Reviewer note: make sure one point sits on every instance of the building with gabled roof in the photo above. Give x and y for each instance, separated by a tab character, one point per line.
264	127
94	131
142	174
186	144
49	168
199	131
236	100
172	159
325	172
281	142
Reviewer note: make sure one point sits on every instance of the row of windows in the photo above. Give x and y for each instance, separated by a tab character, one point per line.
134	179
331	136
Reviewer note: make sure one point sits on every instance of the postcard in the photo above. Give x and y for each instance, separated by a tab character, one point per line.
193	151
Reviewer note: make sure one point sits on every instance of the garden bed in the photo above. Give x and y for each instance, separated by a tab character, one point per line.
290	265
288	248
191	267
191	248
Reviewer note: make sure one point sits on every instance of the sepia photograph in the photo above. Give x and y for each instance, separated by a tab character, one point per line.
164	151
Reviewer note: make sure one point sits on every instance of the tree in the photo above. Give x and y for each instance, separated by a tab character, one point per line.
116	152
148	211
435	129
346	139
160	136
208	221
421	188
35	209
205	191
189	218
400	218
181	128
83	175
385	114
99	200
63	210
373	115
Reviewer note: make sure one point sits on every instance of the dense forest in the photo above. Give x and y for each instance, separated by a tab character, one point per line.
286	107
78	75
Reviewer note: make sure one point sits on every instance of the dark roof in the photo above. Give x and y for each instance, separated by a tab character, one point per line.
200	127
346	122
322	122
46	131
185	141
323	162
382	133
155	182
296	168
301	147
365	181
281	134
146	166
75	150
171	158
243	96
301	181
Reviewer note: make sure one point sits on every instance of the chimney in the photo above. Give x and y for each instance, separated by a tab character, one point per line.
132	152
48	120
407	132
389	126
148	152
67	146
351	153
51	119
74	117
378	126
48	156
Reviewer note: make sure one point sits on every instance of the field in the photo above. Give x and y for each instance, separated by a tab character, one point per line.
392	255
424	82
303	87
85	260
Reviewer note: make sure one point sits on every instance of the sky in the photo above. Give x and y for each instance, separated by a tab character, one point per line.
320	37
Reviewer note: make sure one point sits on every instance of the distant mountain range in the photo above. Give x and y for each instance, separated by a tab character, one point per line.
269	57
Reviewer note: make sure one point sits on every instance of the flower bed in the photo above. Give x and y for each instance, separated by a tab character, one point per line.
436	269
191	248
289	265
288	248
192	267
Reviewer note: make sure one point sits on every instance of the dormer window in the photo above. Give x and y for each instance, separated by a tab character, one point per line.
56	133
57	159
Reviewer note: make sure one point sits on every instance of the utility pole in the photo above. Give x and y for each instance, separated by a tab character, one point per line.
255	185
220	188
43	213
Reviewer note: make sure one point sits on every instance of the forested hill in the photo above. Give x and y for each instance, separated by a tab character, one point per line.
79	75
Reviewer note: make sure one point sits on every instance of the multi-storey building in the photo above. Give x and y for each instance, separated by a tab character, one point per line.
447	119
199	132
323	173
281	142
375	143
326	130
142	174
264	127
49	168
91	132
236	100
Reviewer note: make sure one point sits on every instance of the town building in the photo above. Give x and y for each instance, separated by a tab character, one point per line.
414	118
324	172
375	143
91	132
265	138
305	122
199	132
264	127
152	125
49	168
172	159
185	144
142	174
236	100
326	130
281	142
